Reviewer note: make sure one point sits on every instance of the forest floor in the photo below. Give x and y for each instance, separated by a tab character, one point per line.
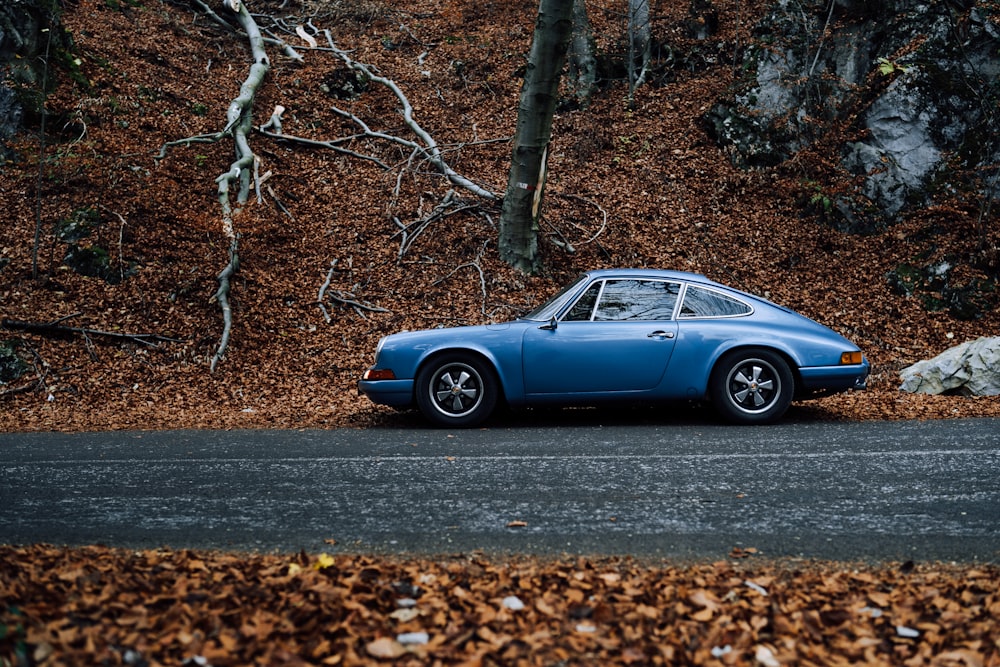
159	72
634	184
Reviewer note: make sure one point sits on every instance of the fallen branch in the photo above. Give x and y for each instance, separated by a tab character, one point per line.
285	46
475	265
604	217
239	124
427	146
348	299
272	130
23	389
343	298
322	291
222	296
41	373
563	242
408	233
62	331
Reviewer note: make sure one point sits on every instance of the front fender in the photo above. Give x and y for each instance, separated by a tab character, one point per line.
497	344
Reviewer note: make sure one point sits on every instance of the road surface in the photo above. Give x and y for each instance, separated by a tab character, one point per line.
859	491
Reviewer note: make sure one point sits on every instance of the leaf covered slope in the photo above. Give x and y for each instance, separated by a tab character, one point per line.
638	185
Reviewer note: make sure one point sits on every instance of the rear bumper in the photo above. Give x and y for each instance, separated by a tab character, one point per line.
822	380
397	393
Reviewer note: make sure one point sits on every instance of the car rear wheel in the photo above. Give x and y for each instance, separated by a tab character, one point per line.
752	386
457	390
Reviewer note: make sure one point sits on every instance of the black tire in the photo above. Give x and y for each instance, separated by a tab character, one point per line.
457	390
752	386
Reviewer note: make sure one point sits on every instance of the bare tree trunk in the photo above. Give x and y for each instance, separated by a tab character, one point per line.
582	61
640	46
539	94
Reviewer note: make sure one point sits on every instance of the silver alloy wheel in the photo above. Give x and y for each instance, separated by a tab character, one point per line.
457	389
753	386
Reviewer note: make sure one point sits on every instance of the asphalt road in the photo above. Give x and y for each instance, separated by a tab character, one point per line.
861	491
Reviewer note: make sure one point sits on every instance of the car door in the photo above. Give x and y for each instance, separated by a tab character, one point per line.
618	337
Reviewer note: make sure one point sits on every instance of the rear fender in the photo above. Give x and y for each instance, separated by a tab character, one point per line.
689	374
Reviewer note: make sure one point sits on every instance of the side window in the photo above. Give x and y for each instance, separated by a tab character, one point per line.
700	302
637	300
584	306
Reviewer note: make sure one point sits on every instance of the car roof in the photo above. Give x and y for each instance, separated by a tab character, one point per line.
650	273
665	274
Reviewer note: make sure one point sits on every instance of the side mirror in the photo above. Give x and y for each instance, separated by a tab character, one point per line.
551	326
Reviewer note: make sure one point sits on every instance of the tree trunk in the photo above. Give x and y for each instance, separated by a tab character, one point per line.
640	45
582	59
539	93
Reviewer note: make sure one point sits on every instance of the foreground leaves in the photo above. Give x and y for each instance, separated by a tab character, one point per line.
94	605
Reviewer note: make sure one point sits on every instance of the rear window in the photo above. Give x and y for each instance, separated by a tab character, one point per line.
701	302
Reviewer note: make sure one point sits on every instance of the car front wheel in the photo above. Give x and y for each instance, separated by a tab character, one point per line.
752	387
457	390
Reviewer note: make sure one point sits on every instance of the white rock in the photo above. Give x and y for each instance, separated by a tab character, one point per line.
972	368
513	603
413	638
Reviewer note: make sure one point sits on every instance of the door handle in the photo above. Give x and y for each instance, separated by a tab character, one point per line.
661	334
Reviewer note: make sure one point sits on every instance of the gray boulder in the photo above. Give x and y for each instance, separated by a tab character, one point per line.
972	369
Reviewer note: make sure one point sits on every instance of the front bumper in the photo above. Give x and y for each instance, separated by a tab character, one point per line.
397	393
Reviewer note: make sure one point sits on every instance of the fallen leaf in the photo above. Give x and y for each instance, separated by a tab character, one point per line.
385	647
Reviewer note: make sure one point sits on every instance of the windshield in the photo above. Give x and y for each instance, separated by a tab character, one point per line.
551	308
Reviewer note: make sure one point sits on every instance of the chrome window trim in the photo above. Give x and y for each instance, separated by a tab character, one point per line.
565	312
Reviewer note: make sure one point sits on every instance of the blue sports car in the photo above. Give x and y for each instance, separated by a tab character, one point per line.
632	335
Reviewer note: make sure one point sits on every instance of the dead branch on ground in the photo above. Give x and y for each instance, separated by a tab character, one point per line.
343	298
563	242
475	265
287	48
450	205
239	124
273	130
41	373
54	329
426	146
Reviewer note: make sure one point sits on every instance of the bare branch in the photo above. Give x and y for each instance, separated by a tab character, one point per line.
604	217
239	117
41	372
473	264
58	330
331	144
285	46
222	296
427	146
343	298
322	291
348	299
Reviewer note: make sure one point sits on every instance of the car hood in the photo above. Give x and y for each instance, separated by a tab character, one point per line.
425	338
450	331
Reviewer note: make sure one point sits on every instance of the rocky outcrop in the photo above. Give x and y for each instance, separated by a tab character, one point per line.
21	56
971	368
915	82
